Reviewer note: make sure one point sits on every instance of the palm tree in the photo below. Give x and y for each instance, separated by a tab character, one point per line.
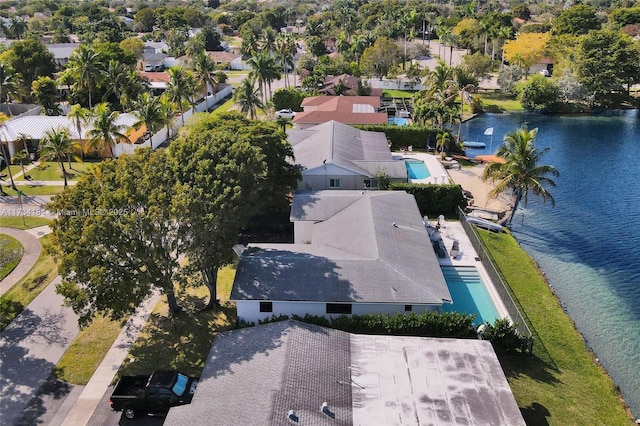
81	117
168	110
115	80
265	70
9	83
283	122
105	132
285	47
86	68
246	97
268	38
21	157
521	171
204	69
442	143
179	89
149	114
17	27
56	145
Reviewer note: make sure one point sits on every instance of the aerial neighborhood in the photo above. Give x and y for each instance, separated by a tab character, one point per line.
265	213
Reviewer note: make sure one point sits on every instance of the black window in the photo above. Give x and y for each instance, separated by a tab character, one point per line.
338	308
266	306
408	308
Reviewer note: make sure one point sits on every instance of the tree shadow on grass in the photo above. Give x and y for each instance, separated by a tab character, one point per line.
518	365
536	415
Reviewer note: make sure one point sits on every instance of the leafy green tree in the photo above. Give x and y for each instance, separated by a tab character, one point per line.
477	64
378	59
32	59
144	19
521	10
45	91
521	172
539	94
576	20
570	89
105	131
608	62
288	99
57	145
508	77
9	83
247	98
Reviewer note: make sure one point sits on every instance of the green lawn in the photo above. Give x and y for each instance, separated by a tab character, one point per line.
499	102
182	342
10	254
398	93
52	171
224	107
561	384
35	189
24	291
17	222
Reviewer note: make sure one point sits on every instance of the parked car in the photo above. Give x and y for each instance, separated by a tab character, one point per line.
152	394
285	113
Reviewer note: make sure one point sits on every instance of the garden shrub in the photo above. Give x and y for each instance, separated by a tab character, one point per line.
401	136
434	199
505	337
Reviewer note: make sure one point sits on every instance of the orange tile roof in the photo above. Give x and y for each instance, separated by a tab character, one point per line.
320	109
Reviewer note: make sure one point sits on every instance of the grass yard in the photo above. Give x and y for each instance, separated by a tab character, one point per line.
35	189
498	102
30	286
51	171
390	93
10	254
16	222
224	107
561	384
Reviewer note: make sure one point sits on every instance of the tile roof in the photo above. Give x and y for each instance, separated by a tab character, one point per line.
362	151
254	376
368	249
223	56
345	109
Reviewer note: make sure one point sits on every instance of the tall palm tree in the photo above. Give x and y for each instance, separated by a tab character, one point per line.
179	89
246	97
116	75
521	171
204	69
105	131
268	39
286	48
149	114
86	68
168	111
80	117
264	68
57	145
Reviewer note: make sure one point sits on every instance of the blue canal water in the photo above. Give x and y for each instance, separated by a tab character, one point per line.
589	244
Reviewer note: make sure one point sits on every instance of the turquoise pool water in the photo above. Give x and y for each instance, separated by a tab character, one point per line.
417	169
469	294
398	121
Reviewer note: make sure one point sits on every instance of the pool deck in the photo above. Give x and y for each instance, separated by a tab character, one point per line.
438	174
467	256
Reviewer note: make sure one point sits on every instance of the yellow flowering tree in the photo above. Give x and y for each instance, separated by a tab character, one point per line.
526	49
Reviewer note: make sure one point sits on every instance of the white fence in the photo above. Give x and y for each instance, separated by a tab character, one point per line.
161	137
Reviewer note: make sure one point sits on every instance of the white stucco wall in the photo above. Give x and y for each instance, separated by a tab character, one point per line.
302	232
249	310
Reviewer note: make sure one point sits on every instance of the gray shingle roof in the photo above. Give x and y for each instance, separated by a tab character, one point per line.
254	376
346	146
371	247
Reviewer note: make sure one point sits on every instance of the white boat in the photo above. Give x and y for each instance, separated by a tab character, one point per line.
473	144
485	224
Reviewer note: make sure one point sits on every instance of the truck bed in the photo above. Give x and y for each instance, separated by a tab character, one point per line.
131	386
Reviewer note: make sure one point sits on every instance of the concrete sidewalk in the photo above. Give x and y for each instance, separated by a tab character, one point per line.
93	392
30	255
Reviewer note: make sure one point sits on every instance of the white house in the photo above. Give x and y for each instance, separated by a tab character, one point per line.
333	155
355	252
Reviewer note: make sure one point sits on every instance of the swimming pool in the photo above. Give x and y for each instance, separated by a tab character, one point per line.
417	169
398	121
469	294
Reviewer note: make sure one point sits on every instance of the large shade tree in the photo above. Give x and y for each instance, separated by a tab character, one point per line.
140	215
521	171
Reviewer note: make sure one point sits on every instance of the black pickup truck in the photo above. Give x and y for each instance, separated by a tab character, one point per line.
153	394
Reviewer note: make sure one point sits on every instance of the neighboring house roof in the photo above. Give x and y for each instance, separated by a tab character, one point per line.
255	375
333	142
156	77
223	56
35	126
374	250
345	109
156	46
62	50
150	57
331	81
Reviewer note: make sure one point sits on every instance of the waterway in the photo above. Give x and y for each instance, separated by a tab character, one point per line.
589	243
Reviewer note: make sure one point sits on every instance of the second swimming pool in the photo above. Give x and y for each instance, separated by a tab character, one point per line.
469	294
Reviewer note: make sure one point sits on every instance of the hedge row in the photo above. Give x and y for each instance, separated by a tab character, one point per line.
434	200
401	136
427	324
